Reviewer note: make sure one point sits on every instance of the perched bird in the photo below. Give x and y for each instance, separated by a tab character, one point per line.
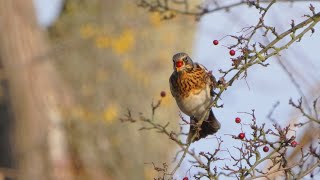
192	86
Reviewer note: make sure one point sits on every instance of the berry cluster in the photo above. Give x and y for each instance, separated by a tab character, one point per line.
265	148
231	52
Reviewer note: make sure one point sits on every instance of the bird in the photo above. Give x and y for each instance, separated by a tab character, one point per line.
192	86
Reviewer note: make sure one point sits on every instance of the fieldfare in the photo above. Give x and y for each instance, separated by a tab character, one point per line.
192	86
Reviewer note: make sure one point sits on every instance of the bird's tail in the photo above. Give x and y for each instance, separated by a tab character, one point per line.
208	127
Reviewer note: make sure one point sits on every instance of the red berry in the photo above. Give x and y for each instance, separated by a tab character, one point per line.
215	42
294	143
232	52
185	178
266	149
241	136
163	94
238	120
179	64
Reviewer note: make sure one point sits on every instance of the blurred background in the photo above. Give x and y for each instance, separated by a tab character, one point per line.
71	68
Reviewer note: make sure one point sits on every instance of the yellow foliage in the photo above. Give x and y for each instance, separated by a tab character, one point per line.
71	6
155	18
169	37
124	43
87	31
79	112
102	41
114	141
134	72
111	113
149	172
146	81
166	101
138	75
127	65
120	45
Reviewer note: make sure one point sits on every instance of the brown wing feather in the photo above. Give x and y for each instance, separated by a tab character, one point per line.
209	78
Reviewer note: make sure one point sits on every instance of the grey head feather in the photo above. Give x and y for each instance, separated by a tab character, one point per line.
188	63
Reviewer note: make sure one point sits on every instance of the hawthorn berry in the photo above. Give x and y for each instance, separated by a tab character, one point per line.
241	136
179	64
237	120
185	178
215	42
294	143
232	52
265	149
163	94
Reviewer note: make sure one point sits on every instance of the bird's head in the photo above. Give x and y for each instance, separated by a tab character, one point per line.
182	62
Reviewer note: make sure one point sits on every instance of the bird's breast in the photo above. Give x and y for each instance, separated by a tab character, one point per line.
196	103
189	83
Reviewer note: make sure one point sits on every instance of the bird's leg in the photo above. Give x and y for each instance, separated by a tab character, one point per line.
195	129
193	121
212	93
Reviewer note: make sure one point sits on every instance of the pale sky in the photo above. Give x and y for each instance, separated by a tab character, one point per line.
47	10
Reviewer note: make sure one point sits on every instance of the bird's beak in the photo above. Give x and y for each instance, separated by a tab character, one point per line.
179	64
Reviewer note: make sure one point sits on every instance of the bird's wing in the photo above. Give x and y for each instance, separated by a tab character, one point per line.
173	86
209	77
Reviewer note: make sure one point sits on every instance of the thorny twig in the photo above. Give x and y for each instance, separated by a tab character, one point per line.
309	117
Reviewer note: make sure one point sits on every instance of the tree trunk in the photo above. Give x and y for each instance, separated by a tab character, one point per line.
35	91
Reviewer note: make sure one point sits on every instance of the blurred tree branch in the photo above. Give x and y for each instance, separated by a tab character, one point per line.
37	95
185	7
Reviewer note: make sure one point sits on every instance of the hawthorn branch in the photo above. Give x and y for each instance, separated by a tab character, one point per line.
308	116
265	175
152	125
186	149
309	170
258	57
